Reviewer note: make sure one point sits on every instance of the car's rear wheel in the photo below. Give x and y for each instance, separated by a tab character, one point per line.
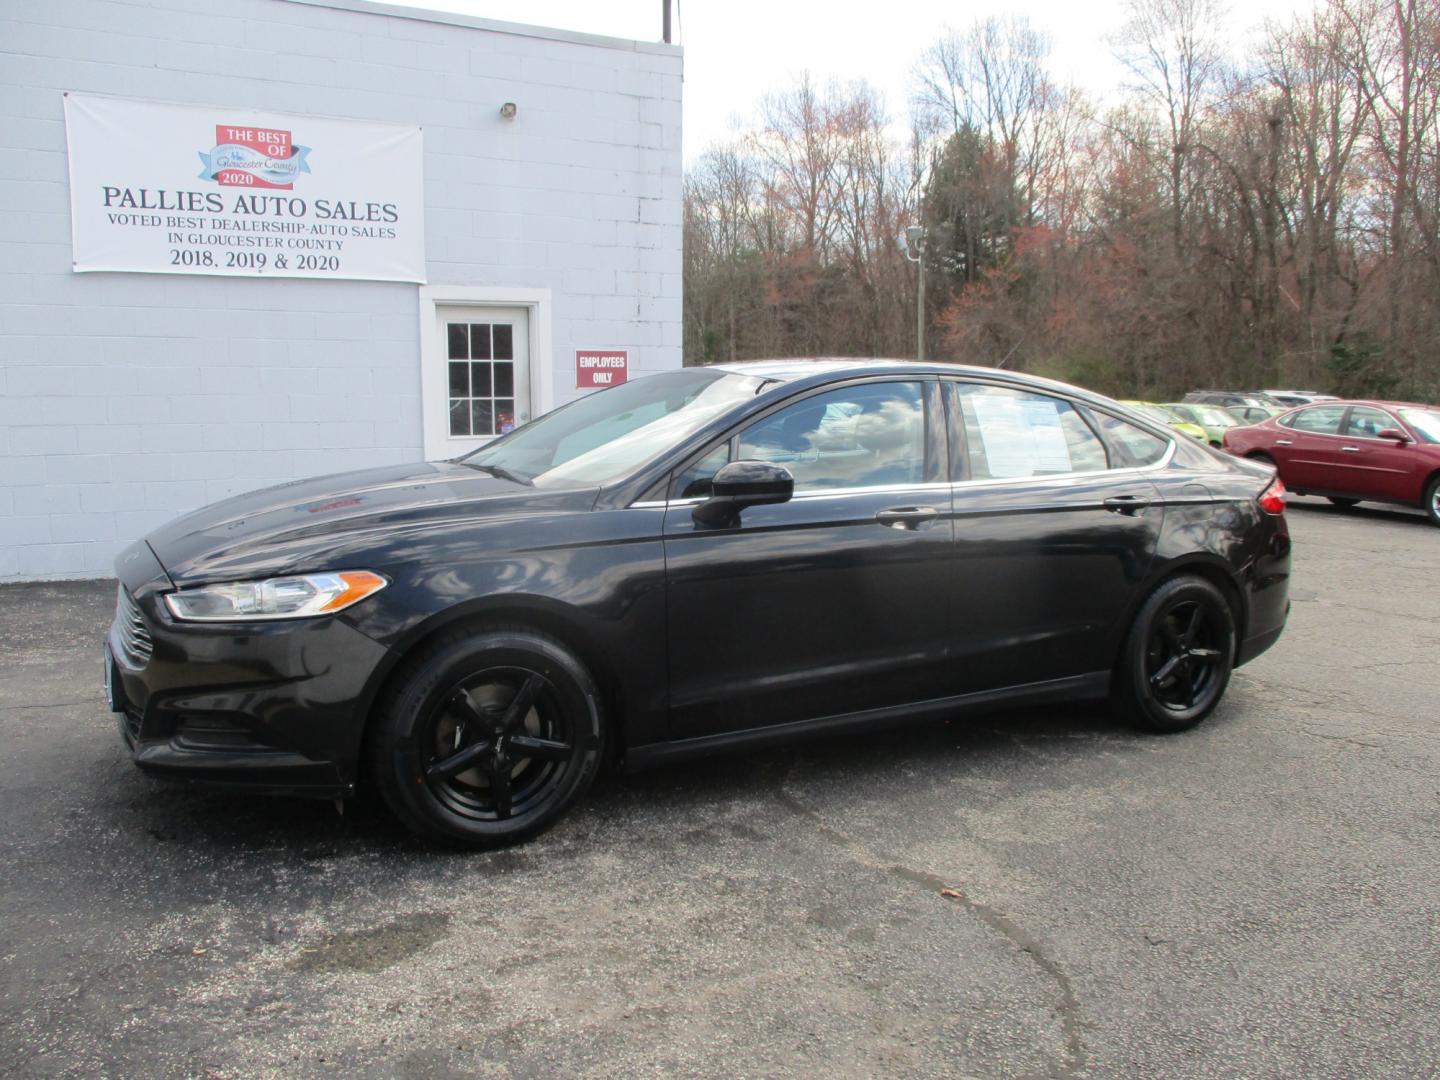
1264	459
487	738
1432	500
1343	503
1177	658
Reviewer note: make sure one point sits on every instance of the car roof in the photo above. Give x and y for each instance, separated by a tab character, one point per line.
1373	401
803	368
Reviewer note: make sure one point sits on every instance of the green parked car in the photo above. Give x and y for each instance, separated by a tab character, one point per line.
1215	420
1165	416
1253	414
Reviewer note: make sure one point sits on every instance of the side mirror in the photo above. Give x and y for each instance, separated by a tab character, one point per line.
1392	433
741	484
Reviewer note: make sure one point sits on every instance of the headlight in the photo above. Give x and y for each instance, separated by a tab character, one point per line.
277	598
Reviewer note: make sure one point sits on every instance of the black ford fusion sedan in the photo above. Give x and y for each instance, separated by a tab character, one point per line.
695	560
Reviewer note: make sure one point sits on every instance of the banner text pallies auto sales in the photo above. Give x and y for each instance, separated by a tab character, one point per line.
249	205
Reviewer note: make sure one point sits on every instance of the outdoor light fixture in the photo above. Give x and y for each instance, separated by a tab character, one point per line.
508	110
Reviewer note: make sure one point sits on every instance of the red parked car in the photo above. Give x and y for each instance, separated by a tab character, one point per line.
1349	451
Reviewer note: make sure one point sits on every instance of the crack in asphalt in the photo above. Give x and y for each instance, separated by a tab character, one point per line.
1382	613
997	921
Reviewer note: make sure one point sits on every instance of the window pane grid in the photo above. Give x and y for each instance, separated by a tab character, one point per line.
481	378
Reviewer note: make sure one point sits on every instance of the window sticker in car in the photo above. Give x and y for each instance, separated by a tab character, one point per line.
1021	436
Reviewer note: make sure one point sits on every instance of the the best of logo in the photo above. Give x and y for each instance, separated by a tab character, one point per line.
254	157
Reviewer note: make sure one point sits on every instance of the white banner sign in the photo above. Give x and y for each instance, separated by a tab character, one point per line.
173	189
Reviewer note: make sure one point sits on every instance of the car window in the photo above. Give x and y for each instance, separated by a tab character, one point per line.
867	435
1012	434
1322	419
1367	423
695	482
1131	447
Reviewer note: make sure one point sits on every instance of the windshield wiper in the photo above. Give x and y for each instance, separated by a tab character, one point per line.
500	471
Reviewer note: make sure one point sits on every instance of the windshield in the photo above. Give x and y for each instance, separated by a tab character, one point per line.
1425	422
605	436
1214	417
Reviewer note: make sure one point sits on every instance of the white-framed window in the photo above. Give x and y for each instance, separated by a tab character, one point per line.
484	364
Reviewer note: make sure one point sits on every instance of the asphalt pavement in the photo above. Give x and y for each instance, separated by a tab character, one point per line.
1040	893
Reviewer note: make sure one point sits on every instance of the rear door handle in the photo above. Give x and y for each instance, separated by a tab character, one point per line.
1126	504
906	517
1350	449
1283	442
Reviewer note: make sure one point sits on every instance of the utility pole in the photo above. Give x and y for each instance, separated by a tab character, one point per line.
665	21
912	243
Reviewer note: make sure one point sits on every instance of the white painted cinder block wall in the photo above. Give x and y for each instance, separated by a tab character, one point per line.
126	399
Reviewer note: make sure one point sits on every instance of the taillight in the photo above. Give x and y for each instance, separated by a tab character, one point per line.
1272	499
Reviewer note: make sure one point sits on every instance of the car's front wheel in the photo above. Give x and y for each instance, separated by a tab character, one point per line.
1432	501
1177	658
487	738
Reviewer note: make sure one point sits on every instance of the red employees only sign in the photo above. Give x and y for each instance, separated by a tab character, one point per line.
597	368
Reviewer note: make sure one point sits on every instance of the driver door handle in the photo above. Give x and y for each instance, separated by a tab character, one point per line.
1126	504
1350	449
1283	442
906	517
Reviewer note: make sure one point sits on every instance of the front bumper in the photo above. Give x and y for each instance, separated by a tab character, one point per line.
273	707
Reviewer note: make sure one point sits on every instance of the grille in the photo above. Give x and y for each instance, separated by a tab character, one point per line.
134	635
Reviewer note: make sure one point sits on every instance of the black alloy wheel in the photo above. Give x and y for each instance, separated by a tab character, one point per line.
489	738
1178	656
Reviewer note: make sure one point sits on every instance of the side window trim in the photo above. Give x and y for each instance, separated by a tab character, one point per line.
955	428
936	435
1094	426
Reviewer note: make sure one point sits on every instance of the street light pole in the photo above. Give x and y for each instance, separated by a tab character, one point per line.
913	245
920	309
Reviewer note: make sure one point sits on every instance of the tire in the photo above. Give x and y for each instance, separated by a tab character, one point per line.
1432	500
1265	459
1343	503
1177	658
487	738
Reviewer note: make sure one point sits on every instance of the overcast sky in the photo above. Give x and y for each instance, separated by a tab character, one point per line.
738	50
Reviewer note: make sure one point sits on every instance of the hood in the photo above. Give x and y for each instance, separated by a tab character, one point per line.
301	525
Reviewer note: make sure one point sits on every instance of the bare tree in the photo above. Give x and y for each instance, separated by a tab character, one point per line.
1216	226
1171	48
